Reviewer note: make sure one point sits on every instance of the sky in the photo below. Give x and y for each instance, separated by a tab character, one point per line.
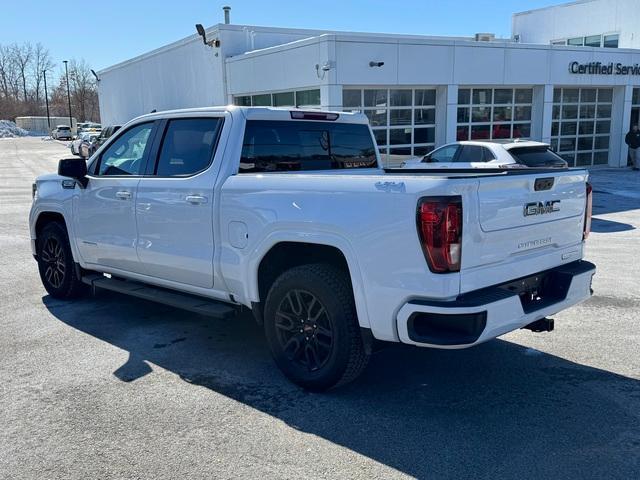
106	32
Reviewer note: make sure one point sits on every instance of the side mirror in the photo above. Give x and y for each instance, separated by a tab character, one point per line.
75	168
426	159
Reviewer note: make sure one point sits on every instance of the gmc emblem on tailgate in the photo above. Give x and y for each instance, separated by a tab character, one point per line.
540	208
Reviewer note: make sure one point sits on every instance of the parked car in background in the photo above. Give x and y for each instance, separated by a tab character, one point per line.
105	133
87	127
61	132
88	144
489	154
74	146
87	137
80	128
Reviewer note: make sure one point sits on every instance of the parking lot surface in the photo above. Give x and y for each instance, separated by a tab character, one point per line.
115	387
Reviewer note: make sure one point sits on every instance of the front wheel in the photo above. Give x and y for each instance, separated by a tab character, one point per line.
55	263
312	328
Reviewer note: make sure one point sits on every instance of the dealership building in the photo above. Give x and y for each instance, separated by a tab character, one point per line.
561	78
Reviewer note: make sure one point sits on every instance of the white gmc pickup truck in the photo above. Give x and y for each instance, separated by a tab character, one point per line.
289	213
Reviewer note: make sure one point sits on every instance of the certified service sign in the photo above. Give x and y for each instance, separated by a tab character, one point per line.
599	68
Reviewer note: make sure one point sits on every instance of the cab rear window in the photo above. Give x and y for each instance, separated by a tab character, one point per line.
281	146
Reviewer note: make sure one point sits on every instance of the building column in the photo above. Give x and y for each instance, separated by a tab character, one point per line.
447	114
620	119
331	97
330	89
542	113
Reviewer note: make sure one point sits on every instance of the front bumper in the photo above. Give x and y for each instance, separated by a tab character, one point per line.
482	315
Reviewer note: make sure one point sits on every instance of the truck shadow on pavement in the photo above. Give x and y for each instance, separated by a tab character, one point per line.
498	410
600	225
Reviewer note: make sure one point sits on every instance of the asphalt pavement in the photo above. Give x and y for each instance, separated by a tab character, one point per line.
115	387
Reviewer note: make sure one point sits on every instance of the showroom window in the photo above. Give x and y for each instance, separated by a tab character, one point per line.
299	98
402	119
609	40
494	113
581	125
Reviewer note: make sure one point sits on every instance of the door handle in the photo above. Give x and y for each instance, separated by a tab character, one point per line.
196	199
123	195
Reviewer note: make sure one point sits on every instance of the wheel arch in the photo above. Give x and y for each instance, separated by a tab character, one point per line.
284	254
47	216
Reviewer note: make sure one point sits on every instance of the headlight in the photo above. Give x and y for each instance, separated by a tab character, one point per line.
34	190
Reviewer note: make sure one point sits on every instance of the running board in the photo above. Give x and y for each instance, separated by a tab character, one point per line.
185	301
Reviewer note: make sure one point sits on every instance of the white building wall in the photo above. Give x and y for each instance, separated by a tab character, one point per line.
185	75
286	67
446	65
582	18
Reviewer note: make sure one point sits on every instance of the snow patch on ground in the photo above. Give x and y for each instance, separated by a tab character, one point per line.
8	129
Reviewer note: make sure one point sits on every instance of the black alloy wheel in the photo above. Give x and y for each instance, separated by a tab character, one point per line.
304	329
312	328
53	257
58	272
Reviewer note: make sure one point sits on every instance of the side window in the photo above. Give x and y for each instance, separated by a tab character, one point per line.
125	155
488	154
470	153
187	146
444	154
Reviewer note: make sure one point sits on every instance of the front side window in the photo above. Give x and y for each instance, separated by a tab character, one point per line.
125	155
443	155
277	146
187	146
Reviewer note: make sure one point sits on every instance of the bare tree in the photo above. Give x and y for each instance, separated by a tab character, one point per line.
8	73
21	82
5	58
23	55
83	86
41	61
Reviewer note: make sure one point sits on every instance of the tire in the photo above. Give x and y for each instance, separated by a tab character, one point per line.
312	328
55	263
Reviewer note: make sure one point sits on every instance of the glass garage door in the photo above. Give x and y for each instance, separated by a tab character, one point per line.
581	125
494	113
403	120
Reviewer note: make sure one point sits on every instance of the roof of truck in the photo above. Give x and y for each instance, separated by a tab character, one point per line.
260	113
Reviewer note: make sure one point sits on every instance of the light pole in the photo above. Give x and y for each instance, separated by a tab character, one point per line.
68	94
46	99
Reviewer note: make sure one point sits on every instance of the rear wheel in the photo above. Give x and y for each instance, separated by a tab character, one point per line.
312	329
55	263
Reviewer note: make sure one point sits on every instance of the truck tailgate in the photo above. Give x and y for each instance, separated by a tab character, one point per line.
522	224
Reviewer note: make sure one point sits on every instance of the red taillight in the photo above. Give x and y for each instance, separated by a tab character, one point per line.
440	230
587	212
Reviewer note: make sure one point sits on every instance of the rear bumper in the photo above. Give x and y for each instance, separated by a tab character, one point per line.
482	315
